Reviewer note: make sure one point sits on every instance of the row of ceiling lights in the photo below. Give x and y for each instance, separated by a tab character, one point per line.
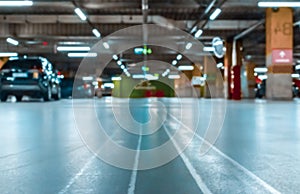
96	32
260	3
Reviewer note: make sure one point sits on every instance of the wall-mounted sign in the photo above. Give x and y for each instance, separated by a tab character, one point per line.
282	56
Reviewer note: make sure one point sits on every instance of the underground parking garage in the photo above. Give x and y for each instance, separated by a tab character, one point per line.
147	96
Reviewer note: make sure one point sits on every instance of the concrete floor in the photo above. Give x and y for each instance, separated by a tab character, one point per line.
257	151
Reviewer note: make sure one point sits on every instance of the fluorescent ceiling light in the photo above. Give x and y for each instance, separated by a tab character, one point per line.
80	14
208	49
116	78
87	78
278	4
186	68
96	33
12	41
219	65
174	62
106	45
8	54
198	33
174	76
215	14
297	67
16	3
188	45
151	77
119	62
127	74
73	48
295	75
261	70
82	54
115	57
179	57
71	43
122	66
138	76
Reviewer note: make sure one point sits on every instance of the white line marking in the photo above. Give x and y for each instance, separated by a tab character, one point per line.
235	163
133	177
189	166
73	180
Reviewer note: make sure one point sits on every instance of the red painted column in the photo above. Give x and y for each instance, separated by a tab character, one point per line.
236	82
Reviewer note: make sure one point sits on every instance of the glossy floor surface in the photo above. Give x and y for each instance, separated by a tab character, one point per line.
55	147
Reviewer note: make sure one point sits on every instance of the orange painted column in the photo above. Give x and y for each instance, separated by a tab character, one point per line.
3	60
279	53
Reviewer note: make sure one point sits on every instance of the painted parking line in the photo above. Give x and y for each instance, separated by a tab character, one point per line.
232	161
132	183
197	178
77	175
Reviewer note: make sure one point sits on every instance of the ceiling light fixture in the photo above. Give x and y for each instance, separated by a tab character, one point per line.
115	57
188	46
208	49
80	14
12	41
82	55
96	33
106	45
215	14
116	78
73	48
15	3
138	76
278	4
198	33
261	70
220	65
186	68
8	54
174	62
174	76
179	57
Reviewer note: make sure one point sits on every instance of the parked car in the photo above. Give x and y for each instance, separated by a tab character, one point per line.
32	76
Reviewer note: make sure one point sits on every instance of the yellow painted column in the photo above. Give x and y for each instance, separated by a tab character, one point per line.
279	53
251	82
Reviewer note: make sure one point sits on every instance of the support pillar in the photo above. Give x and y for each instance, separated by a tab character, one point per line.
250	79
279	53
214	83
3	60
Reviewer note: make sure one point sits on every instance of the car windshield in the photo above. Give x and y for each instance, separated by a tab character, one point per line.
23	64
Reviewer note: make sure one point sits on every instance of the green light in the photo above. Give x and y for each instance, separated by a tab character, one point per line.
144	68
145	51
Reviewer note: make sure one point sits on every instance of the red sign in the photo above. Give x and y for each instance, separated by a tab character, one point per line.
282	56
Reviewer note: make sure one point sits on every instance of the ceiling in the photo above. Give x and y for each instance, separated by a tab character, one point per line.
47	24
